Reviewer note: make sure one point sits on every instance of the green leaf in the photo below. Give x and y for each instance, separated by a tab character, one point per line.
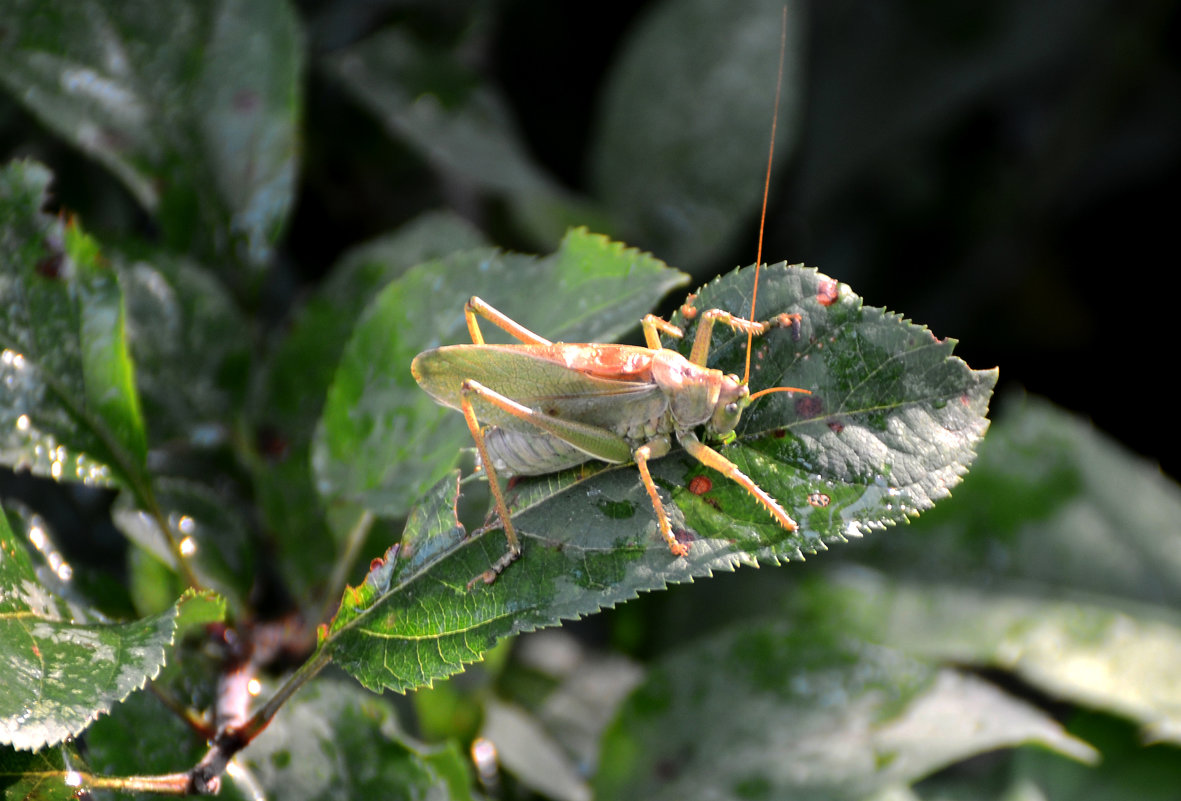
681	149
377	420
890	427
1057	560
40	776
192	104
68	403
1130	769
1051	503
801	713
212	534
60	673
425	97
299	372
335	740
1120	659
191	347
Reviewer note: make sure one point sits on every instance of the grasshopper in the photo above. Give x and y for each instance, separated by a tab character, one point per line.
539	406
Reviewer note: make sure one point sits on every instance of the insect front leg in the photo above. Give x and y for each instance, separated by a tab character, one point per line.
653	326
653	450
701	341
711	458
477	307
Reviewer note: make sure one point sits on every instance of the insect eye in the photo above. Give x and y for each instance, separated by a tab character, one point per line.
731	408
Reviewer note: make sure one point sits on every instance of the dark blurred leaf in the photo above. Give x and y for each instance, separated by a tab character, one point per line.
1129	768
1052	503
209	531
192	104
681	151
68	402
39	776
461	124
191	347
772	712
1120	658
336	740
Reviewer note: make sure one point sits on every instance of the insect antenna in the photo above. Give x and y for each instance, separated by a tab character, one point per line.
766	191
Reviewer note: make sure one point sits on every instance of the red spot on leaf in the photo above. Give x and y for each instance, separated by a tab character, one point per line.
700	485
809	406
819	499
376	562
836	426
828	292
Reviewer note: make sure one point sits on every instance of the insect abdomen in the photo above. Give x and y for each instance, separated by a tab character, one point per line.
530	453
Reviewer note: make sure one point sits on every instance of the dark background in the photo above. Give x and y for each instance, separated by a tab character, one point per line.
1004	172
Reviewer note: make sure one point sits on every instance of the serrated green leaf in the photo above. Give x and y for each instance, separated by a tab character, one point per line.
377	420
801	713
335	740
193	105
890	426
61	673
681	148
298	374
68	406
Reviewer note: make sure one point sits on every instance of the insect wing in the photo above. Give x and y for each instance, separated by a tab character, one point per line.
541	377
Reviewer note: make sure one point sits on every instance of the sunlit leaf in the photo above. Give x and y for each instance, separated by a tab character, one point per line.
60	672
68	404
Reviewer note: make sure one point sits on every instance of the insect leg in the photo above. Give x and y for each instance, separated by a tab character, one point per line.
700	353
652	450
514	545
711	458
598	443
653	326
475	307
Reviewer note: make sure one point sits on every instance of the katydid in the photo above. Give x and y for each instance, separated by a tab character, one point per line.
540	406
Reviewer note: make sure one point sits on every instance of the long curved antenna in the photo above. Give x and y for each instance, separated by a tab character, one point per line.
766	189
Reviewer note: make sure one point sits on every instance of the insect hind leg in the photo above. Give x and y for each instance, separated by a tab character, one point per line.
476	307
511	555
